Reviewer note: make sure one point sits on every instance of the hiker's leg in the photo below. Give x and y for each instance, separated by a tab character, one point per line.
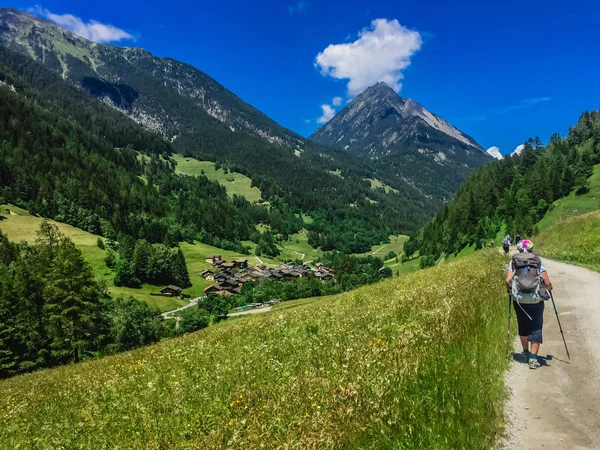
524	342
522	322
537	314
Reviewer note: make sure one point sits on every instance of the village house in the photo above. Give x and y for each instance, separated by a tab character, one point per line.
212	258
171	290
208	275
240	264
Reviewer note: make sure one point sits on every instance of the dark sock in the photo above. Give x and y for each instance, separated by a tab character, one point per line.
532	356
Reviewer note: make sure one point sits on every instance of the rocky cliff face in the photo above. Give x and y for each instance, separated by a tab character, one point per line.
379	122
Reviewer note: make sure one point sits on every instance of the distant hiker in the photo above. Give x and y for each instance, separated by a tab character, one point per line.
528	283
517	238
508	238
506	245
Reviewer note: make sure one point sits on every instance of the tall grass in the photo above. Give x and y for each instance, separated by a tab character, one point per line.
411	362
575	240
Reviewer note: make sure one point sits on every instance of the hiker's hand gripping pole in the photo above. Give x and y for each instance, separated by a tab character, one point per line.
559	325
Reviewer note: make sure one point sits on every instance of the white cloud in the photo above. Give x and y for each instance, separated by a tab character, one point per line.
328	113
92	30
337	101
299	8
518	150
495	152
381	53
525	103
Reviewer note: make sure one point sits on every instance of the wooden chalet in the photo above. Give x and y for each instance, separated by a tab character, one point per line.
171	290
208	275
240	263
212	258
323	275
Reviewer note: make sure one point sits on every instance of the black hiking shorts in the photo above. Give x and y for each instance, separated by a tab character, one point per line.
530	326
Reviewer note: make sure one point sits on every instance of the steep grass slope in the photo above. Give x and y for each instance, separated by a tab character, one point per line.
415	362
574	205
575	240
235	183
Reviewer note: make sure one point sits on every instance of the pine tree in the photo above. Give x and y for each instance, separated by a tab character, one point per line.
73	305
180	272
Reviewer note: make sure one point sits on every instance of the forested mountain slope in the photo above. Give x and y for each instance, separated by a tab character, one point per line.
203	119
68	156
515	192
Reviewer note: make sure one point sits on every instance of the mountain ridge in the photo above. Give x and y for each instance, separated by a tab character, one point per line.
376	104
403	138
78	59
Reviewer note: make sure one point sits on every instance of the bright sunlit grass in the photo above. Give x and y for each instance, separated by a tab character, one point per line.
411	362
575	240
235	183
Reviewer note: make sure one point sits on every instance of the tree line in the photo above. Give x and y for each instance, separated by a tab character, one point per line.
54	311
137	262
515	192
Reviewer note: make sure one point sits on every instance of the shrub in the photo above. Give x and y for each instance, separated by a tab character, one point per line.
193	319
426	261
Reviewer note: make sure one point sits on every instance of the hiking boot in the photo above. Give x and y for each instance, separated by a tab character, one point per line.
533	363
526	356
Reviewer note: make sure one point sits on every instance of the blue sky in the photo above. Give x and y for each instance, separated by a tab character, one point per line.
499	71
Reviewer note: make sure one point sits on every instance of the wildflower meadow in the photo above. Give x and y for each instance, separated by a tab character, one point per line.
411	362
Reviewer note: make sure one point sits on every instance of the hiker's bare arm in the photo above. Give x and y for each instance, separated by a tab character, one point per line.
509	276
547	281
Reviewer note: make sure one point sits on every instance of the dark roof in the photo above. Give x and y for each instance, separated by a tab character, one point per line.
172	287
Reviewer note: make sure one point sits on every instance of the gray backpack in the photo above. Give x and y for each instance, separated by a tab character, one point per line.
526	281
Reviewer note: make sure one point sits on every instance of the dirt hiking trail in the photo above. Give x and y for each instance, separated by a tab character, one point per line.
558	405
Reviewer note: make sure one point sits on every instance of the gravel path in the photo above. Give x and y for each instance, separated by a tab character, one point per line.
193	302
250	311
558	405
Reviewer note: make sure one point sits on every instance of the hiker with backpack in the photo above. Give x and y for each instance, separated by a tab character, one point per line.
506	245
528	284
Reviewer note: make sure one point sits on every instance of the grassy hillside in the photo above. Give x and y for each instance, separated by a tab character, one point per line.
415	362
575	240
376	184
574	205
235	183
19	225
297	247
396	245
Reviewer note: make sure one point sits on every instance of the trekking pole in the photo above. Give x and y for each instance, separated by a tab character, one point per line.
508	352
559	325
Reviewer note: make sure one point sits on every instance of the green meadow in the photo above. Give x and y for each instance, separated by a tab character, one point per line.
19	225
411	362
235	183
573	204
575	240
